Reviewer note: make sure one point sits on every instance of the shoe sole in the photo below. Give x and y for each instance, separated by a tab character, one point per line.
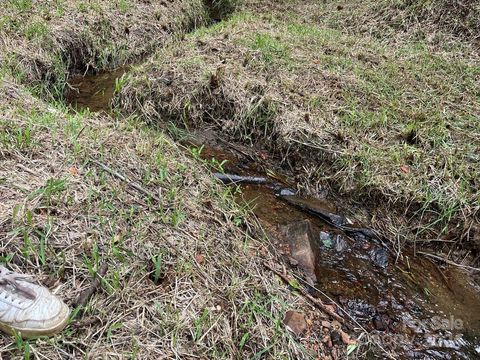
32	333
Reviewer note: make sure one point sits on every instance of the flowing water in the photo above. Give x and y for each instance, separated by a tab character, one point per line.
409	305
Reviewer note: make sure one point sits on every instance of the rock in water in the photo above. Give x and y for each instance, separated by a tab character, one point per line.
340	244
300	238
379	257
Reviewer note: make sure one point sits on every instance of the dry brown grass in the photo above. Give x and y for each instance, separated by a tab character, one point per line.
441	22
384	125
42	43
62	216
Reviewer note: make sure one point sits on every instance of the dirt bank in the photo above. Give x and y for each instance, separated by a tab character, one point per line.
390	127
43	43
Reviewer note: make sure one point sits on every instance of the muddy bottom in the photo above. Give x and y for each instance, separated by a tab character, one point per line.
410	306
94	92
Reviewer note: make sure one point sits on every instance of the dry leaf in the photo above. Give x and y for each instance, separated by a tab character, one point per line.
200	259
73	171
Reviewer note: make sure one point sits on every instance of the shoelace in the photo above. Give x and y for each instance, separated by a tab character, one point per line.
11	278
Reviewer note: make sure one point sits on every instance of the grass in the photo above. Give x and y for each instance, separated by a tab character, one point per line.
387	120
43	43
392	125
441	23
184	276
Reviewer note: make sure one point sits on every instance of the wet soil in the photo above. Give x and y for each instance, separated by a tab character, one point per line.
412	306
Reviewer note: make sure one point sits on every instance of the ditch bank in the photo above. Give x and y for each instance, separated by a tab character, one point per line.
404	306
87	197
43	44
374	123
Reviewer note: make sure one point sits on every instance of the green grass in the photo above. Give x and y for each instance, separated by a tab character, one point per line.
399	119
65	217
443	23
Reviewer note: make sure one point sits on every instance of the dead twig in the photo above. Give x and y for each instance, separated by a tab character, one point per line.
315	301
231	178
85	295
125	179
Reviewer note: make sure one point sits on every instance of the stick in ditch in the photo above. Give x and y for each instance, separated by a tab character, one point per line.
317	302
85	295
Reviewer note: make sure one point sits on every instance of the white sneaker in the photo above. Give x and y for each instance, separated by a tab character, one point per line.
28	308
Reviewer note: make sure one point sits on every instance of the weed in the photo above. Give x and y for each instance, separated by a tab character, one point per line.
119	83
22	345
177	133
200	324
124	5
50	190
196	152
21	137
158	270
22	5
36	30
270	47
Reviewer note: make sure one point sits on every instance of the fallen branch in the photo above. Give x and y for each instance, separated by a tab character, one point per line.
230	178
85	295
450	262
315	301
330	218
124	178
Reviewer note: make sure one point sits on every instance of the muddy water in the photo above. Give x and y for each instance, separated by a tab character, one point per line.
410	306
94	92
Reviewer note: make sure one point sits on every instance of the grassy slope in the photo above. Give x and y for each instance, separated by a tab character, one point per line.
183	277
43	42
376	119
437	21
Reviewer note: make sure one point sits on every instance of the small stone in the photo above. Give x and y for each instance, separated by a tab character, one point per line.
332	308
346	338
286	192
326	324
292	261
326	239
379	257
336	338
340	244
199	259
295	322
